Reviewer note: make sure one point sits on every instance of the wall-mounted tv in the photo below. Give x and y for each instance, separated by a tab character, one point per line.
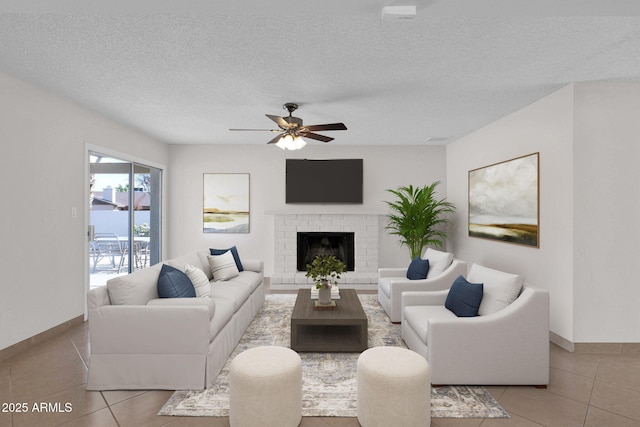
324	181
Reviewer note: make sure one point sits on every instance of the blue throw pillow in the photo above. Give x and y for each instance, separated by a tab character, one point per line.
418	269
173	283
464	298
234	252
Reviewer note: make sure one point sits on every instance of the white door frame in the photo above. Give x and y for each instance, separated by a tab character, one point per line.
88	148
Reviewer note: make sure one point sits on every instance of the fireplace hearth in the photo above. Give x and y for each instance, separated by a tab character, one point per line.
312	244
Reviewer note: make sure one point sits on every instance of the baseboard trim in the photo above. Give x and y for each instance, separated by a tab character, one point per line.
594	347
561	342
607	347
15	349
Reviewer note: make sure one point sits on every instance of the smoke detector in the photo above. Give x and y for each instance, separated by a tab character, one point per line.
398	13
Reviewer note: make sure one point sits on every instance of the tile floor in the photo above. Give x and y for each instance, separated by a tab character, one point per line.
595	390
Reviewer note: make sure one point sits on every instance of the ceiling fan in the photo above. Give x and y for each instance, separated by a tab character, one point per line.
291	130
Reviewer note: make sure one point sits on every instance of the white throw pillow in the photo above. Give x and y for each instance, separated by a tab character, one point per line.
500	288
223	267
438	261
199	279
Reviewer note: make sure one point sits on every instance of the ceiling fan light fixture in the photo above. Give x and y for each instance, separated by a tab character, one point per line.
291	130
288	142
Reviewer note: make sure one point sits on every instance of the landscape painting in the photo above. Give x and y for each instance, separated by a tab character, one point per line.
504	199
226	203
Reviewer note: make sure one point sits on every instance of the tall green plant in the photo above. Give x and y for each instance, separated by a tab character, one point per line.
416	215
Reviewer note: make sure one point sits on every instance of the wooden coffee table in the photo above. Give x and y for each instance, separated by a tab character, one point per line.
343	329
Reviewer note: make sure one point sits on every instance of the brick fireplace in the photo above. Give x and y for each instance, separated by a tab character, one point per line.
364	228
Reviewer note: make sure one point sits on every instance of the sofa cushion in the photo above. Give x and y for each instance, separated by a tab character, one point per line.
234	252
186	302
190	258
136	288
199	279
202	255
249	278
418	317
173	283
464	298
253	265
384	285
399	276
223	267
500	288
418	269
223	314
438	261
233	291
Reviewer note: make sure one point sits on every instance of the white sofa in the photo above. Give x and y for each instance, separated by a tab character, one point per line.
392	282
509	346
140	341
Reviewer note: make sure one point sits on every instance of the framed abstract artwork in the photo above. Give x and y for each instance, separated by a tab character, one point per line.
225	203
504	201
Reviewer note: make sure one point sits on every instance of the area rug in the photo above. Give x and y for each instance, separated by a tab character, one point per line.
329	379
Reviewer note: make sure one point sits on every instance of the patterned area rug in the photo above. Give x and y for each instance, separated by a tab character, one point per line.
329	382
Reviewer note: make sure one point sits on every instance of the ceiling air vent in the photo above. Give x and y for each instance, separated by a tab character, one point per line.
398	13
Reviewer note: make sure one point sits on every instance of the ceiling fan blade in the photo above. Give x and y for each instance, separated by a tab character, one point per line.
330	126
261	130
274	140
279	121
316	136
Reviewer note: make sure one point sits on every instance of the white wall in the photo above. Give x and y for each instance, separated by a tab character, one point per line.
384	167
587	136
114	221
42	155
545	126
607	207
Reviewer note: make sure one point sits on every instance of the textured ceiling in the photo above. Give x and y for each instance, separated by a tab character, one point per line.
188	76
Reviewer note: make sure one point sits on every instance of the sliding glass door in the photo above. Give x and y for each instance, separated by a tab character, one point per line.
124	218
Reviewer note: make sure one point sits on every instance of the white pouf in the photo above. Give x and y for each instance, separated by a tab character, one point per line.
394	388
265	388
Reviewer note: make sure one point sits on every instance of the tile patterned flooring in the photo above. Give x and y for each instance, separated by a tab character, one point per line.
587	389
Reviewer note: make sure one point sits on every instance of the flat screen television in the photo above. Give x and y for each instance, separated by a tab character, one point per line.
324	181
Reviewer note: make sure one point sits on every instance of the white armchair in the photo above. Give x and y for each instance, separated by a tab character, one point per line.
507	347
392	282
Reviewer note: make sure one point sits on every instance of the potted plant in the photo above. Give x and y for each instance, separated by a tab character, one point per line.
325	271
416	217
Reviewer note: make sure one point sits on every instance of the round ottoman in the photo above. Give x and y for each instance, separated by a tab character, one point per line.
394	388
265	388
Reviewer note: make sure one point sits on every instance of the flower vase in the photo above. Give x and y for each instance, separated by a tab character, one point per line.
324	294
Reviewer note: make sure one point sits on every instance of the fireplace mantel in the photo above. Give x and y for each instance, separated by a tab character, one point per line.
323	210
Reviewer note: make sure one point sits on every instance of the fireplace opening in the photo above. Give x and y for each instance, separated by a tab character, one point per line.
312	244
